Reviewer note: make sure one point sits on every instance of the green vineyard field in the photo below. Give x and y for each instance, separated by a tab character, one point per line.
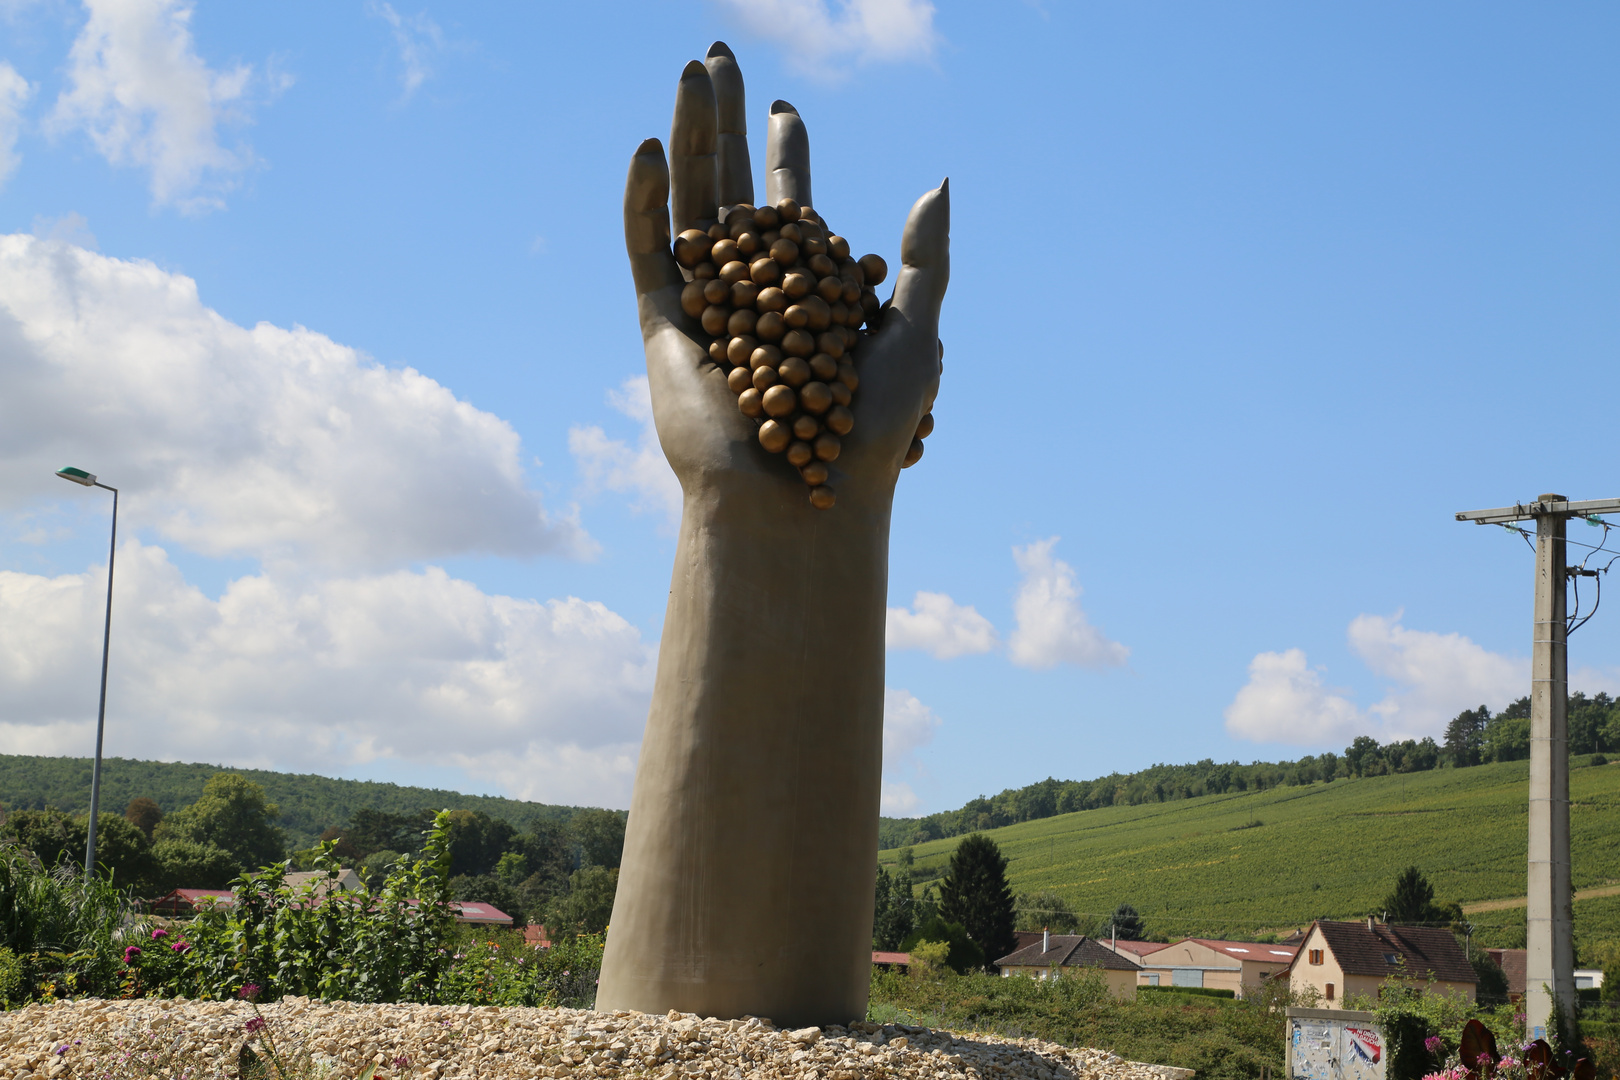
1247	863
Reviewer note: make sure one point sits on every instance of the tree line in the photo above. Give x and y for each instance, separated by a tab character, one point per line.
1473	737
560	872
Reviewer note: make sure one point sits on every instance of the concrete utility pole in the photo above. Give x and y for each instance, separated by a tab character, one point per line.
1550	963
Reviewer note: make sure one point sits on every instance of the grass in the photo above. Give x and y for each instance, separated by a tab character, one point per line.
1242	864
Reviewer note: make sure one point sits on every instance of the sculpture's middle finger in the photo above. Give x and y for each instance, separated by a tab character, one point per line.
692	149
734	172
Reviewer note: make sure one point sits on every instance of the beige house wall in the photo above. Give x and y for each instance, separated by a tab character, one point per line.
1121	984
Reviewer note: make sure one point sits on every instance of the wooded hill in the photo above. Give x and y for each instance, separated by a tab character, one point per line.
309	804
1474	737
1240	864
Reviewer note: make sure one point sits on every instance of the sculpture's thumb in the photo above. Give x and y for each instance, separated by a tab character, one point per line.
925	259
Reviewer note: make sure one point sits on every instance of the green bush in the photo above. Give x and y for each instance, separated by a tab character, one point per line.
1194	991
65	931
500	969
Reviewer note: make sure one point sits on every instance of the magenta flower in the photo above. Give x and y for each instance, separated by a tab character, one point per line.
159	933
61	1049
1433	1044
181	946
402	1061
131	953
249	992
255	1025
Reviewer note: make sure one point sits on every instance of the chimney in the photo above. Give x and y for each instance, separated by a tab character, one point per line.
1369	924
1046	939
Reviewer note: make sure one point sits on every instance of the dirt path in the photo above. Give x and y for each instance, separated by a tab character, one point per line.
1520	901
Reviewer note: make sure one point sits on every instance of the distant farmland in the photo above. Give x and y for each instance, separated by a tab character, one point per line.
1246	863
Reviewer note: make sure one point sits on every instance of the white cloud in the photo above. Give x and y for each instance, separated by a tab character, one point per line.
14	94
821	40
613	465
146	99
940	626
908	726
267	442
1052	629
1285	701
546	700
418	39
1433	677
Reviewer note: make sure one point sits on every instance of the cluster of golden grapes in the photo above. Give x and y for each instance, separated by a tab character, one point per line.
784	301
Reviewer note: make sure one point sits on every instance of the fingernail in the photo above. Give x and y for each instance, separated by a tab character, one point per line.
780	106
945	186
693	69
650	146
720	48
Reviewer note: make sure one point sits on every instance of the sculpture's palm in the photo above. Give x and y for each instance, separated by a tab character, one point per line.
702	432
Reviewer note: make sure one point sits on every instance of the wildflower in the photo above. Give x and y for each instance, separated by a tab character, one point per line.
402	1061
254	1025
181	946
61	1049
131	953
249	992
1433	1044
159	933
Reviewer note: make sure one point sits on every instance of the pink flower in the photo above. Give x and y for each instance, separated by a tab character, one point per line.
131	953
402	1061
249	992
1433	1044
254	1025
159	933
181	946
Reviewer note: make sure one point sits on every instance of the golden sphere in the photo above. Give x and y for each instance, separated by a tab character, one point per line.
717	232
785	252
797	283
771	326
788	209
842	395
692	301
739	349
816	397
765	271
748	243
738	380
874	268
820	313
771	299
840	421
838	247
749	402
733	271
925	426
799	453
724	252
816	248
815	474
913	455
794	371
774	437
794	342
761	378
703	271
830	343
796	316
716	291
822	497
790	231
805	427
767	217
717	350
765	356
778	401
830	288
692	247
827	446
825	367
715	318
847	375
742	320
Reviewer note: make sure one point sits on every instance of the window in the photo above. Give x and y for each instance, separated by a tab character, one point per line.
1153	979
1329	994
1315	956
1392	958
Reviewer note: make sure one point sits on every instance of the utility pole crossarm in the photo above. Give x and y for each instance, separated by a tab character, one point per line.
1527	511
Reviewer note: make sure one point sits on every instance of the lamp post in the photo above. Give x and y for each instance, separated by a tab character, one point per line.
79	476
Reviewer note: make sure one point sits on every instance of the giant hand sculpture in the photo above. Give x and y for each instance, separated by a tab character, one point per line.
746	884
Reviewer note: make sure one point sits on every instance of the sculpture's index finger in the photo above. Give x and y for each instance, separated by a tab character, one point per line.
787	157
646	219
692	148
734	172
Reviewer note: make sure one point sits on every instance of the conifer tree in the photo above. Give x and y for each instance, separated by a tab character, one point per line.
975	894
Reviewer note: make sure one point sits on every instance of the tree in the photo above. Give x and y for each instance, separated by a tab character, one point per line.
1046	910
587	905
1126	924
1465	737
477	842
1493	984
974	893
143	813
894	912
964	953
1412	902
233	815
600	835
190	864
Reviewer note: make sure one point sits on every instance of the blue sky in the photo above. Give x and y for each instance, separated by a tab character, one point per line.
1247	301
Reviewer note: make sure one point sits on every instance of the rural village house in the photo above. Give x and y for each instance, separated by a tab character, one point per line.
1342	958
1238	966
1056	955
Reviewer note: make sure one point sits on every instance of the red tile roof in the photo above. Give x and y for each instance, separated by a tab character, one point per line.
1069	950
1257	951
890	957
1135	948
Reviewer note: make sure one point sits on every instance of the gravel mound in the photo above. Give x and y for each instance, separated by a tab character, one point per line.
206	1039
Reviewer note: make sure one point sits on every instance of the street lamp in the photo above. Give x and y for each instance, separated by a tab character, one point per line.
79	476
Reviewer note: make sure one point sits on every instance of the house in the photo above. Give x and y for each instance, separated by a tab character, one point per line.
480	914
1133	950
1512	962
1342	958
1059	954
1238	966
347	879
186	901
891	961
535	936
